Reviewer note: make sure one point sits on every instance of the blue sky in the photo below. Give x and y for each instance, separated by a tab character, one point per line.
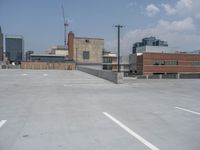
41	22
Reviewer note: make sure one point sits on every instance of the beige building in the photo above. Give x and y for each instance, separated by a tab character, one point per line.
85	50
109	61
59	50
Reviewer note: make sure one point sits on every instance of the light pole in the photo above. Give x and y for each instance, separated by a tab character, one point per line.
118	28
76	57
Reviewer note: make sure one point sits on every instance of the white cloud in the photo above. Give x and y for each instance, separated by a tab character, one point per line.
152	10
183	8
182	4
197	16
168	9
178	34
177	26
132	4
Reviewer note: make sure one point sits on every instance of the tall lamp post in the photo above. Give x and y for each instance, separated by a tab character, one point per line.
76	57
118	28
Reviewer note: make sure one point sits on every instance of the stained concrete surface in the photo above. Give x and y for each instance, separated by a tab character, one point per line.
62	110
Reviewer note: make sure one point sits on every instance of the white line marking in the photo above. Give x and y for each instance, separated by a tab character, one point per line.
24	74
138	137
196	113
45	75
2	122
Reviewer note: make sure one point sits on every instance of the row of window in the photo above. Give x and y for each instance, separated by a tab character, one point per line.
107	67
196	63
107	60
173	62
166	62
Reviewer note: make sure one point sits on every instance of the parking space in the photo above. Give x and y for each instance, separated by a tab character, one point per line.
58	110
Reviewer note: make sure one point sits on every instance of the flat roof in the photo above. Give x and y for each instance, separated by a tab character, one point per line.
112	56
189	54
47	55
14	36
88	38
60	109
157	49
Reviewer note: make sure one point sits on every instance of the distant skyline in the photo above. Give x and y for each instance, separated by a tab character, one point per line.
41	23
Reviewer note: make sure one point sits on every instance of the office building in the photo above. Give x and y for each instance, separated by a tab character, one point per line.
14	48
28	55
59	50
1	45
135	45
149	41
195	52
109	61
85	50
157	49
150	63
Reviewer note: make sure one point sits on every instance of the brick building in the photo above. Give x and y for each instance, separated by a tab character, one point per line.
84	50
167	63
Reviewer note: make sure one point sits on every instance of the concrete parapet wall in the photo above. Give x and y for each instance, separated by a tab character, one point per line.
9	66
104	74
153	77
46	66
190	76
171	76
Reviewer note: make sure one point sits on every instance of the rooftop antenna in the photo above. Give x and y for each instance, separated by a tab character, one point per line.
65	25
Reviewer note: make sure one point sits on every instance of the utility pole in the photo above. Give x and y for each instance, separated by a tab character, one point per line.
118	28
76	57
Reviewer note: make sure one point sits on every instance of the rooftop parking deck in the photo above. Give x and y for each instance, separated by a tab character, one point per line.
72	110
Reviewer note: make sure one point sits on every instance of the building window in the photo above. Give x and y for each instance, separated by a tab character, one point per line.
159	62
107	60
171	62
107	67
86	55
196	63
166	62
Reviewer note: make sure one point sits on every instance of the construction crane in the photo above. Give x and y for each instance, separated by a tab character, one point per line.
65	25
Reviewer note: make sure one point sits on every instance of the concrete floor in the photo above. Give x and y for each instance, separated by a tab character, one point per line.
62	110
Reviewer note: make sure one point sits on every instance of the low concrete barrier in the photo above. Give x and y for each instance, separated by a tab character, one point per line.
9	66
104	74
47	66
141	77
190	76
153	77
171	76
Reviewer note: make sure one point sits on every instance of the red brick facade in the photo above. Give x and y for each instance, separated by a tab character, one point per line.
159	63
71	44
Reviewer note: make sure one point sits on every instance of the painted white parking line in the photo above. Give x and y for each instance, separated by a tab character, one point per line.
135	135
45	75
187	110
24	74
2	122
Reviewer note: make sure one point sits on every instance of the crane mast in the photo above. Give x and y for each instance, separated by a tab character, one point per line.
65	25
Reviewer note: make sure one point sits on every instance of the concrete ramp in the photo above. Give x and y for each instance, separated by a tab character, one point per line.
104	74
